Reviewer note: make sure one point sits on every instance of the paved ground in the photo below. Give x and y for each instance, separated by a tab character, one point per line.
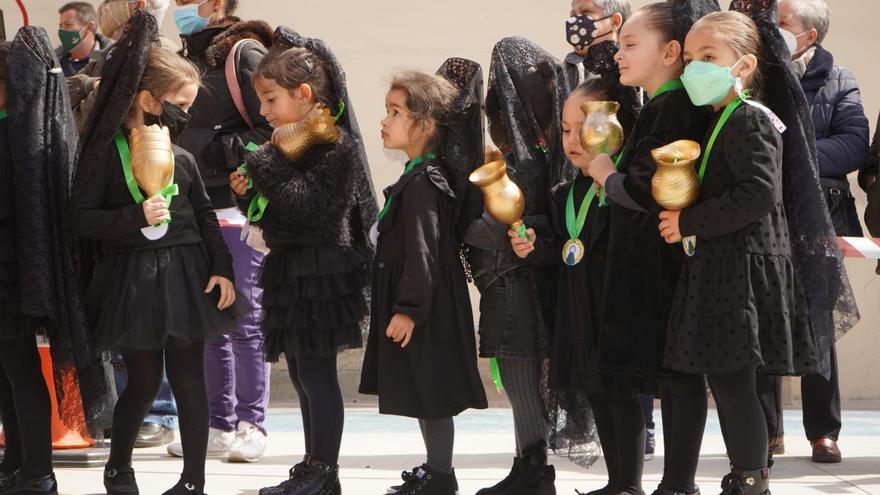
376	448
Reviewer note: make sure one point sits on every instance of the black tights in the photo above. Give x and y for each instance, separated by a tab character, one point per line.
621	427
684	406
186	375
320	399
26	409
742	418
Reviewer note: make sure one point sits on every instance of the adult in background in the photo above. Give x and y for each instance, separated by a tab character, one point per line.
591	22
842	144
221	128
80	40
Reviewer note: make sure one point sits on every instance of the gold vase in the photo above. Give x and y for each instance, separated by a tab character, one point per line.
601	132
675	184
293	140
502	198
152	159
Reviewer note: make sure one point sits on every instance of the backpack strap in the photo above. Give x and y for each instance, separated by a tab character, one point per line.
232	80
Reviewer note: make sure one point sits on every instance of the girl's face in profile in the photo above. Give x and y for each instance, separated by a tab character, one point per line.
398	132
281	106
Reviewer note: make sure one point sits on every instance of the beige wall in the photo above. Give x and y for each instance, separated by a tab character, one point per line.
373	38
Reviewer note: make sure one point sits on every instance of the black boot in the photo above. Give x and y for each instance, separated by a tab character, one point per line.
120	481
39	486
296	473
535	476
184	488
740	482
425	481
8	480
315	478
506	482
605	490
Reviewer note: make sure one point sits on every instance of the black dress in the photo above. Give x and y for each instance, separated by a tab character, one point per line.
576	339
642	269
144	292
312	278
12	320
418	272
739	302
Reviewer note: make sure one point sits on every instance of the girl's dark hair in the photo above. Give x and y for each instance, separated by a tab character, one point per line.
292	67
4	54
660	18
428	99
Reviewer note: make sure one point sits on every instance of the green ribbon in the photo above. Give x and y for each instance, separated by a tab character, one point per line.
728	111
167	192
603	201
574	223
496	374
409	166
668	86
3	114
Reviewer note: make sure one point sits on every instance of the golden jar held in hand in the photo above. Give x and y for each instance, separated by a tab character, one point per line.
152	159
675	184
293	140
502	198
601	132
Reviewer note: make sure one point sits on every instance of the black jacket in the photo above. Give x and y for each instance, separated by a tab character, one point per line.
838	116
217	134
310	200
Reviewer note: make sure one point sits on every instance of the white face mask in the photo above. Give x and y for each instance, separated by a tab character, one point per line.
791	40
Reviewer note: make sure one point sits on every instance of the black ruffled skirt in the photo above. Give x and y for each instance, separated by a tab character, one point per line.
142	299
313	300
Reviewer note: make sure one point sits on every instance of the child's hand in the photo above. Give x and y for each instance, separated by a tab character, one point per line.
522	247
669	226
238	183
155	210
600	168
227	291
400	329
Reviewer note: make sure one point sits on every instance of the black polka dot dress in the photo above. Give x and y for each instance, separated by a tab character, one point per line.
738	302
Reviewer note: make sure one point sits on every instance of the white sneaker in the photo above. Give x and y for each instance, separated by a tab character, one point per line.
249	444
219	442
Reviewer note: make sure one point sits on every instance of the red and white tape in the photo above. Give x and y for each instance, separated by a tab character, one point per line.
859	247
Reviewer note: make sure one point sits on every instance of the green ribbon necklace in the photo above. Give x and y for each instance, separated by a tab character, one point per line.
728	111
574	221
167	192
409	166
3	114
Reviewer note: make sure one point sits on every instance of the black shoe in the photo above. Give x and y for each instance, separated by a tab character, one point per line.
426	481
39	486
312	478
605	490
535	476
405	476
184	488
506	482
665	491
746	482
7	480
120	481
153	435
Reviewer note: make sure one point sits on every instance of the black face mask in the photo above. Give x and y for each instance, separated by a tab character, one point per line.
579	31
173	117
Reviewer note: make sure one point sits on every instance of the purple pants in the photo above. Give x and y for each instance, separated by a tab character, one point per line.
236	371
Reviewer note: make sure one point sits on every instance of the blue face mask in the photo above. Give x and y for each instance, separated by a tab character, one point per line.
707	83
188	19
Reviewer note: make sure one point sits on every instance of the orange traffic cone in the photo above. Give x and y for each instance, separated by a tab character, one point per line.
63	436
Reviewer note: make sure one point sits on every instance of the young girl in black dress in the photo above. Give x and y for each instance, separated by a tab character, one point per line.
642	269
739	306
155	297
421	354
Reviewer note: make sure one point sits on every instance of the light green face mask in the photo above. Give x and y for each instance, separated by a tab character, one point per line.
69	39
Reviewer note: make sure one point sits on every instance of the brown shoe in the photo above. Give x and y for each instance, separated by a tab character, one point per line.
777	446
825	451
